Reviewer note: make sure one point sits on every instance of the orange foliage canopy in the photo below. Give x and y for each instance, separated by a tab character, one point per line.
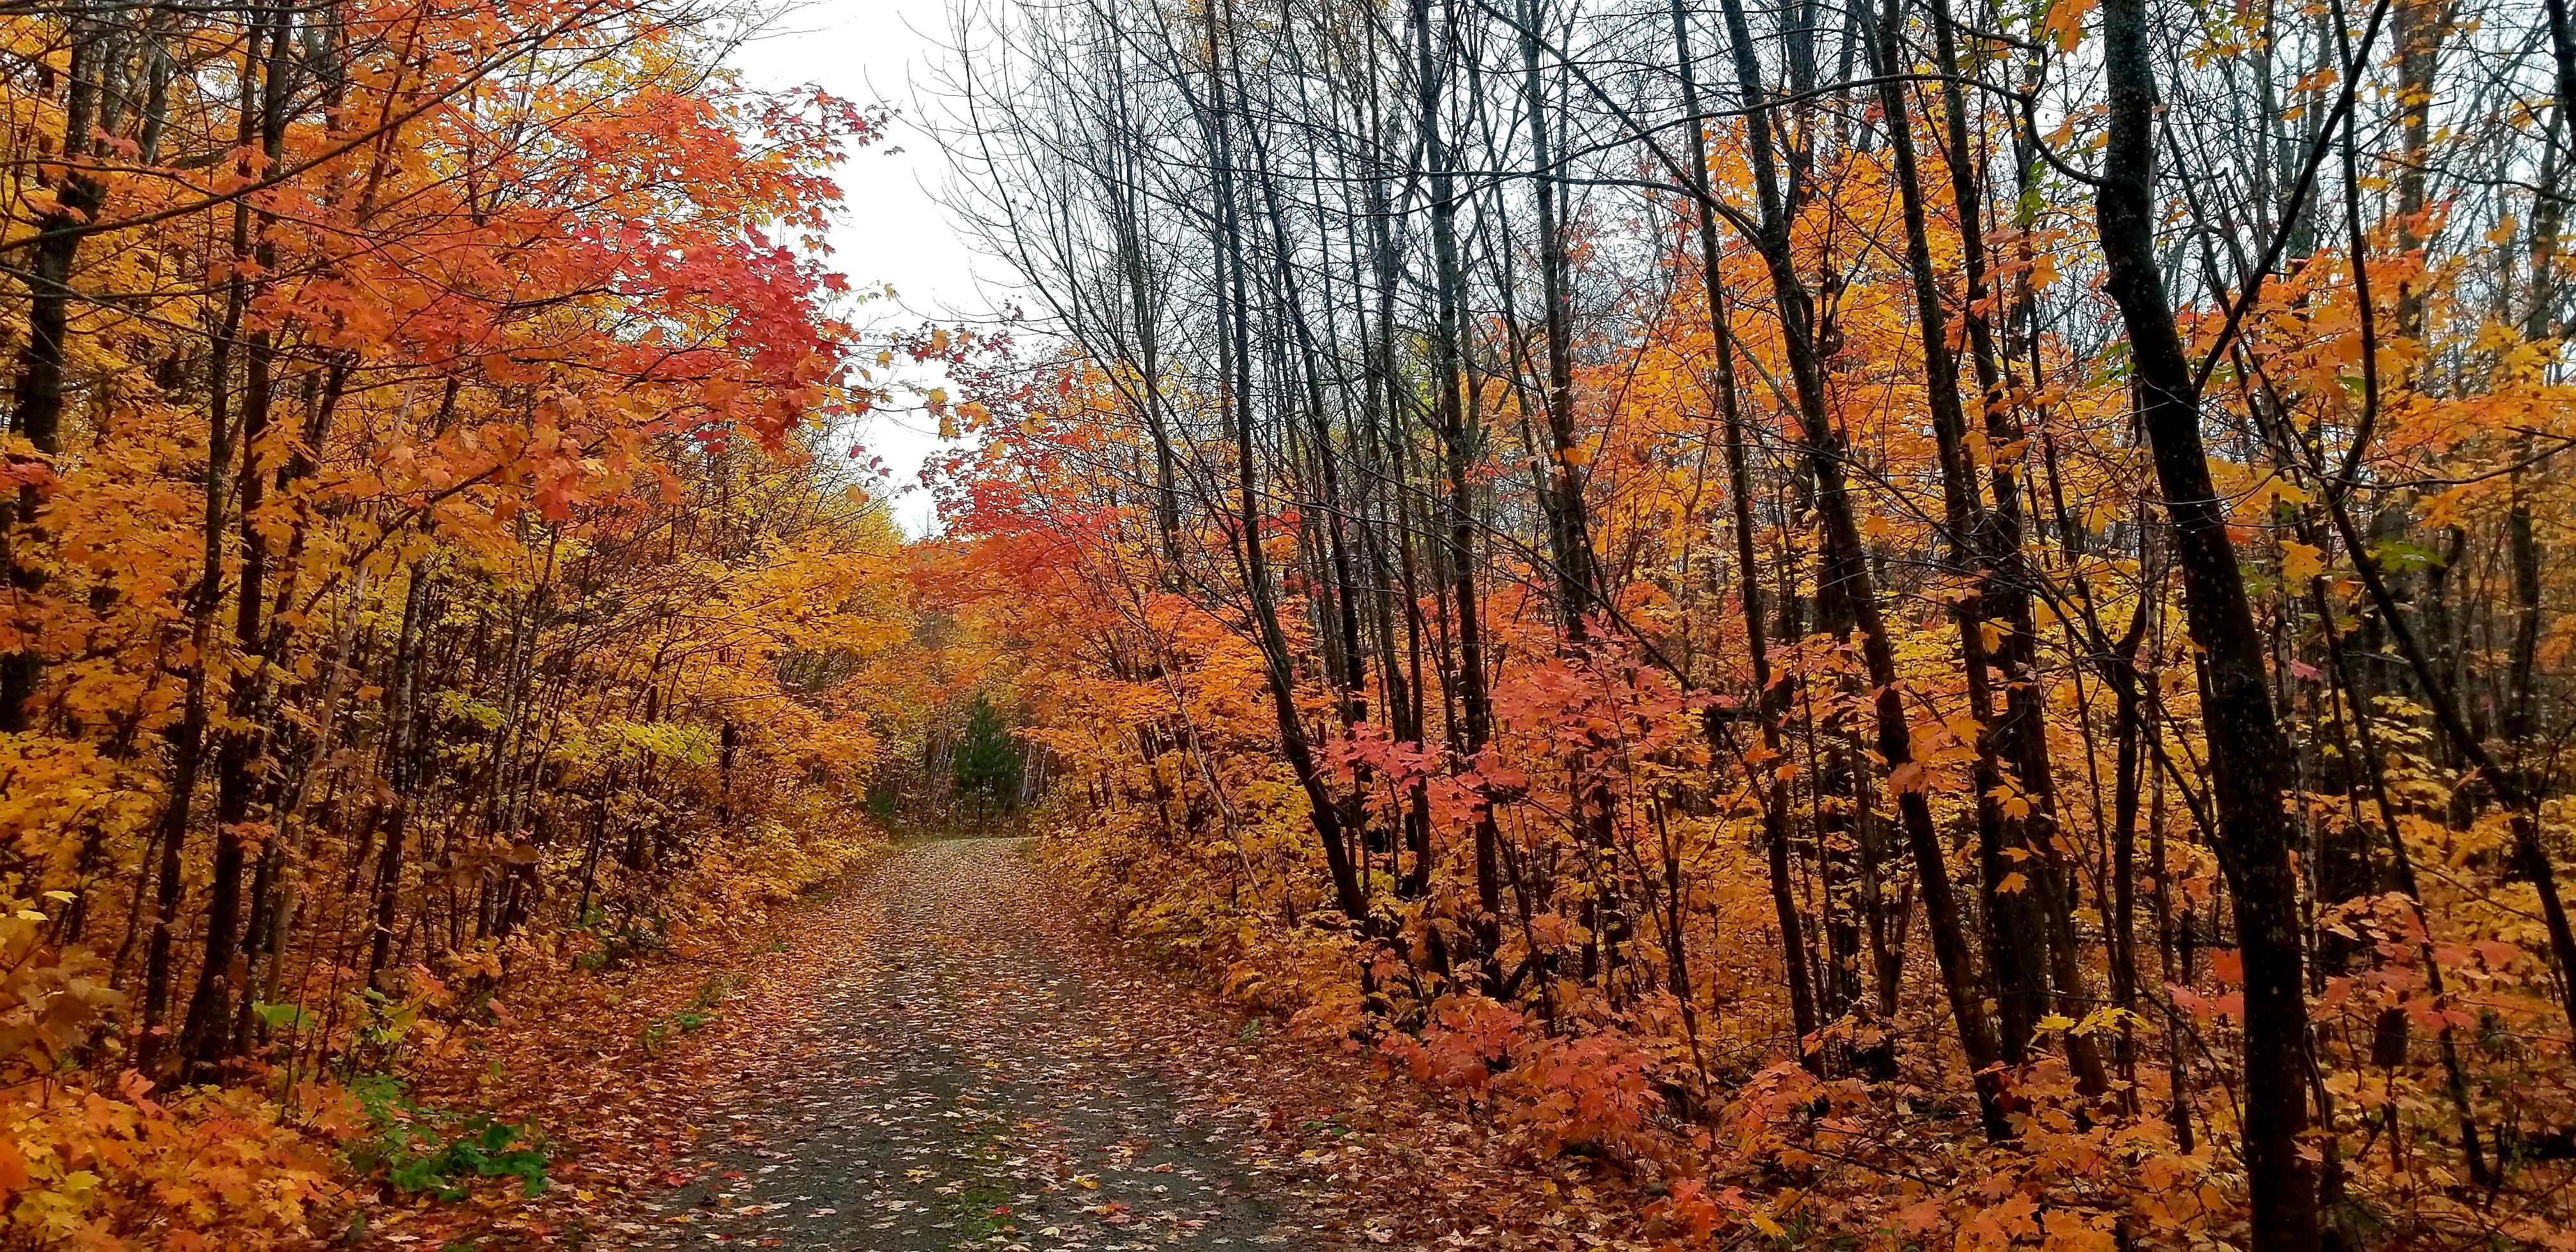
432	563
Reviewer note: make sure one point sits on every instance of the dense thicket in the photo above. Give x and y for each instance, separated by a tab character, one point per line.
1961	593
428	553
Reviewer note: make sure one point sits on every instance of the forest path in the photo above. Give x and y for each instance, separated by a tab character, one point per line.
964	1082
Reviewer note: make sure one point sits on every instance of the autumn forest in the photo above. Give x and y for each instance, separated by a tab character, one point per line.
1670	624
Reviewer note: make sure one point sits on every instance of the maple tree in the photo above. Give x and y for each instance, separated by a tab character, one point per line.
1932	620
1916	621
431	557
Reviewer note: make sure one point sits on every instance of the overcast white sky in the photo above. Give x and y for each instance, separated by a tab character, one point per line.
892	230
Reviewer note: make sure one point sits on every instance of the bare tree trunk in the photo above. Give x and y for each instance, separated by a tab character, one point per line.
1767	786
2249	756
1846	576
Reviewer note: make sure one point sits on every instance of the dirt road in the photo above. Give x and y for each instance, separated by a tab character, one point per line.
961	1085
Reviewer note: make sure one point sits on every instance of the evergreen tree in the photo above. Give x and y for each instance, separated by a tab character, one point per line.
988	759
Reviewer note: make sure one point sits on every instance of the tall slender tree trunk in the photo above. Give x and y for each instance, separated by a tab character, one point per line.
1768	787
1234	332
1461	444
207	1033
37	416
1845	576
2249	756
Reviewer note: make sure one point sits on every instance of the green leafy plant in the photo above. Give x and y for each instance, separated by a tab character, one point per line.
283	1018
420	1149
701	1009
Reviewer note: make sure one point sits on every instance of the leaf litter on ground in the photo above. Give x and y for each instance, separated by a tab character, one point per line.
947	1053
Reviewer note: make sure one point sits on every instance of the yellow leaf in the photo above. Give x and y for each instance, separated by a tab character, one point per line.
2276	490
2301	562
2012	882
2438	510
